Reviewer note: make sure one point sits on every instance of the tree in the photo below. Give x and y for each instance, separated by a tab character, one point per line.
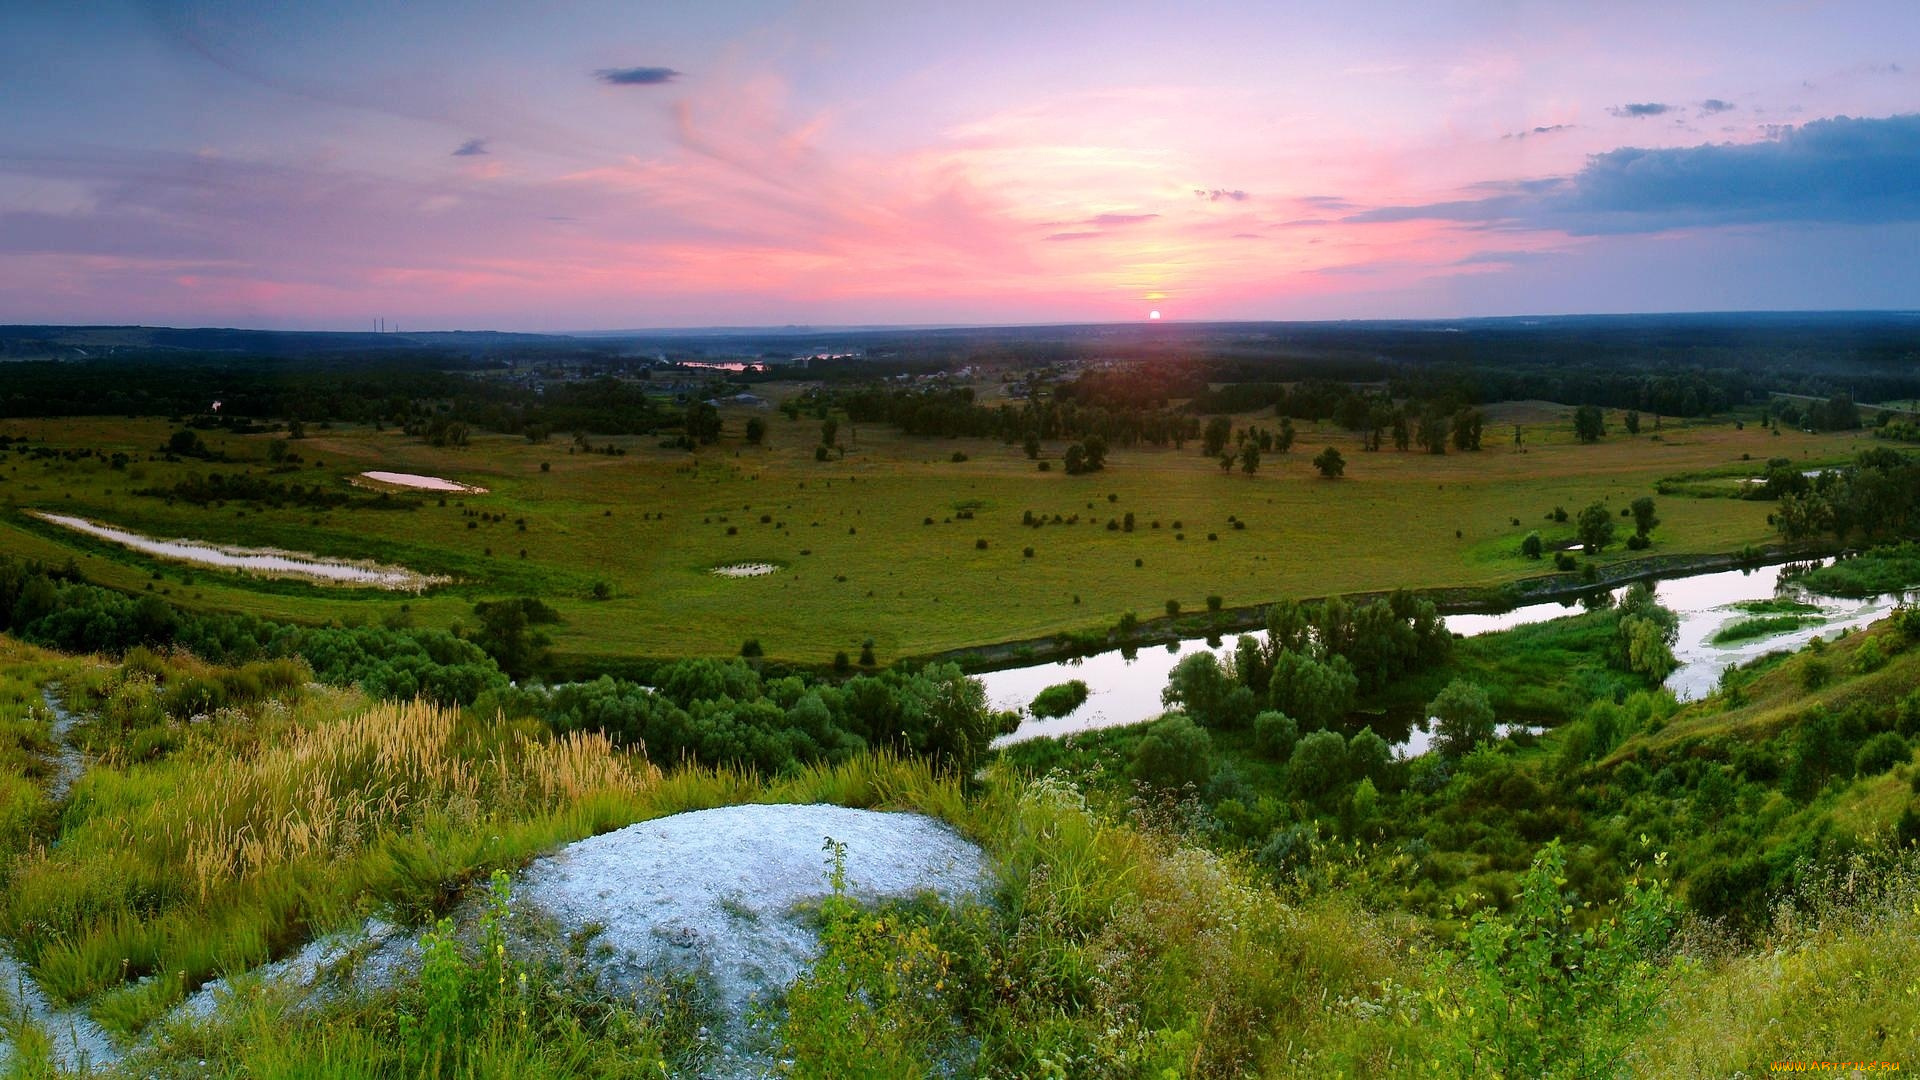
1402	435
703	423
1632	422
1318	766
1594	526
756	430
1467	426
829	431
1644	520
1531	547
1284	441
1318	694
1213	441
1589	423
1274	734
1250	457
1208	694
1463	718
1031	444
1643	640
1434	429
1331	465
1076	459
1174	754
1096	448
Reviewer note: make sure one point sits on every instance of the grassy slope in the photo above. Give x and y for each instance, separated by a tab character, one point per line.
913	588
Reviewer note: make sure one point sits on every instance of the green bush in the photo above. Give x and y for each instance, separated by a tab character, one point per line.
1059	700
1882	752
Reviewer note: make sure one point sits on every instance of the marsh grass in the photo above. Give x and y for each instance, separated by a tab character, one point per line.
1761	626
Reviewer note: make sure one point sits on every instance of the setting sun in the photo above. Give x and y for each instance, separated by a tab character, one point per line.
1153	315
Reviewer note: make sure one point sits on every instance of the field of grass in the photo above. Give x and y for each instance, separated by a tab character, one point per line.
857	558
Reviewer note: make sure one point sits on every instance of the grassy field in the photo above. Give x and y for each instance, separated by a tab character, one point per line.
857	557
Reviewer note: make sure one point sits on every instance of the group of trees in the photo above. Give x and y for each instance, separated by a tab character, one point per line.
725	713
1877	497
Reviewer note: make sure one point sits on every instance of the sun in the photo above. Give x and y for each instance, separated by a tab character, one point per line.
1153	314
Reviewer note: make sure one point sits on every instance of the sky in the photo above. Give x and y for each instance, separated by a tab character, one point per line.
597	165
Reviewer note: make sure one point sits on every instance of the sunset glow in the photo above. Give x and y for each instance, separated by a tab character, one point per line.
609	166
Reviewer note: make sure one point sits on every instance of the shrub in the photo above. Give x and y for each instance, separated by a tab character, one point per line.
751	648
1882	752
1176	752
1531	547
1173	608
980	544
1274	734
1214	603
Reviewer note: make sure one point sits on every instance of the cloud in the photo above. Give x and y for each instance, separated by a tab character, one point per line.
1119	219
1216	194
1074	236
1505	258
1639	110
1841	169
1248	236
472	148
636	76
1548	129
1715	105
1327	202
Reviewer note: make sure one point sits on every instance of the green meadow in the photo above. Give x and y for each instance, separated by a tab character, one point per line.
917	544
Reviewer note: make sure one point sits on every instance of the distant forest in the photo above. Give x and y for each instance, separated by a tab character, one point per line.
1124	383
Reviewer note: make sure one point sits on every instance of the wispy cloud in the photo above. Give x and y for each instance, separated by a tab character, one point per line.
1640	110
472	148
1074	236
1216	194
636	76
1119	219
1714	105
1547	129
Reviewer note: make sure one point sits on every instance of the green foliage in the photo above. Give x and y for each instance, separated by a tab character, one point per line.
1589	424
876	1003
1059	700
1531	546
1318	766
1274	735
1463	718
1594	526
1545	992
1208	694
726	713
1175	753
1882	752
1318	694
1331	464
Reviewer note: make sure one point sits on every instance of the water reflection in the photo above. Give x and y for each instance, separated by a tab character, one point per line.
1125	685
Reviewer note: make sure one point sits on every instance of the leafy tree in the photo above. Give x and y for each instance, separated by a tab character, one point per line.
1317	694
1644	637
1283	442
1644	520
1208	693
1274	734
1076	459
1318	766
1331	465
1434	429
1594	526
703	423
1632	422
1532	546
1589	423
1368	755
1463	718
830	431
1174	754
1213	440
506	633
1468	424
1250	457
1031	444
756	430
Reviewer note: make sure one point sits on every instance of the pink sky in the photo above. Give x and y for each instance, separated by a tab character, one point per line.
867	164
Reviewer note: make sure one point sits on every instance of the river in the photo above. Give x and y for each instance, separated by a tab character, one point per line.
1126	690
